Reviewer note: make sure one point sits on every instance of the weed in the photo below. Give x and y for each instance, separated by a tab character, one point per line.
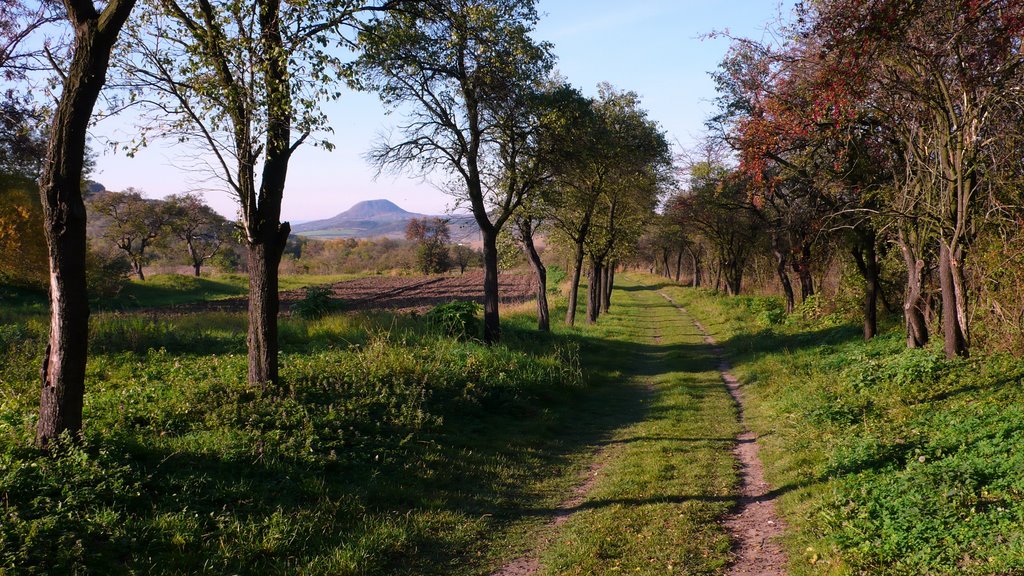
315	303
905	463
456	319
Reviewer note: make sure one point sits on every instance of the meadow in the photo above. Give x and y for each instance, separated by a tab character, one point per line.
889	460
396	445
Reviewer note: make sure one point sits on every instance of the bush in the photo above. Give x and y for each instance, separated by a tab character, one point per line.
317	303
106	274
457	319
556	275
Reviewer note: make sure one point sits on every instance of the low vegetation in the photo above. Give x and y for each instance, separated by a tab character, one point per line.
389	448
891	460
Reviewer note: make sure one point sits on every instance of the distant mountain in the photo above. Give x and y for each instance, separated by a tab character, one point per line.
380	218
368	210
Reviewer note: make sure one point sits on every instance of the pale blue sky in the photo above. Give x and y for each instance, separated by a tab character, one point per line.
653	47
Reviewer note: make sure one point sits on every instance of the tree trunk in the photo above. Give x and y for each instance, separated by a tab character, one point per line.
197	267
802	267
679	265
667	270
955	341
264	305
866	257
540	273
137	264
914	305
733	276
574	287
64	219
594	292
695	264
780	269
492	323
607	278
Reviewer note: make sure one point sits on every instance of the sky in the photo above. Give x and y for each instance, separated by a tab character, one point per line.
656	48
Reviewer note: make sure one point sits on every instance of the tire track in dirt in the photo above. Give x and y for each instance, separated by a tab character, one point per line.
755	527
529	563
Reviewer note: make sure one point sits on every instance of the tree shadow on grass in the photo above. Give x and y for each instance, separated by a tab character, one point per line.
226	498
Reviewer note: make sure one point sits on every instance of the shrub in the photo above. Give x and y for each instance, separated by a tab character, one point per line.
457	319
317	303
556	275
106	274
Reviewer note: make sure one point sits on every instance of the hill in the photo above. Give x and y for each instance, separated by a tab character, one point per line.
380	218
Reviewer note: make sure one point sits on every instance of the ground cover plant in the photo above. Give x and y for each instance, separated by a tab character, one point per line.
669	475
388	448
891	460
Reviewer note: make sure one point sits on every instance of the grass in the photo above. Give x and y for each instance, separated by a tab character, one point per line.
893	461
389	450
670	474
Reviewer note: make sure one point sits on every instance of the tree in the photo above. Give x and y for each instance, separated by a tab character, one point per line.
641	171
245	80
22	143
613	167
937	74
459	66
717	203
431	236
132	223
22	245
199	227
64	216
464	256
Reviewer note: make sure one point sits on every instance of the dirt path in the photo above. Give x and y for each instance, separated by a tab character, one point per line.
529	563
755	528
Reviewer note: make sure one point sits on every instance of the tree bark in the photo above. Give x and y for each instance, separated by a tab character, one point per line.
802	267
679	265
540	274
780	269
733	276
264	306
866	257
954	333
64	218
492	323
607	279
574	286
914	305
695	263
594	292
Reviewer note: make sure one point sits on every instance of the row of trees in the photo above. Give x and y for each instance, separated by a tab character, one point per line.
880	126
134	224
245	81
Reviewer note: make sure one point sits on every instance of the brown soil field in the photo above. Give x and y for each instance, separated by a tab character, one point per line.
398	293
423	292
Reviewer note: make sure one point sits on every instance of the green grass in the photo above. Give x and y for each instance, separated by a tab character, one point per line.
891	461
171	289
389	449
670	475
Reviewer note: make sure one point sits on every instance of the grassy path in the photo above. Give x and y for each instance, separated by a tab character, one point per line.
661	484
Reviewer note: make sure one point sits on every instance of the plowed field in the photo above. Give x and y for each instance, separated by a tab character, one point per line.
399	293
